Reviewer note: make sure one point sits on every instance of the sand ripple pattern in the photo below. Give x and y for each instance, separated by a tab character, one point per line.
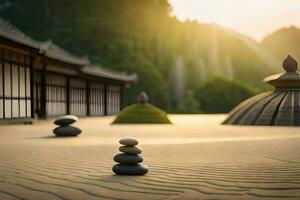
268	169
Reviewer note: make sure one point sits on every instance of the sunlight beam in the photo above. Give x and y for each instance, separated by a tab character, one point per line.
255	18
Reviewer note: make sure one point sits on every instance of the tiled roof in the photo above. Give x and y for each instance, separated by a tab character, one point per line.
97	70
53	51
10	32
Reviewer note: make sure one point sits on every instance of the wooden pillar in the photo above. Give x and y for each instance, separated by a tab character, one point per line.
11	86
3	83
19	87
68	94
31	86
43	113
37	85
88	85
105	99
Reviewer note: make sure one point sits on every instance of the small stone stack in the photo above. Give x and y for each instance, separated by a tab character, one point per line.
129	159
64	129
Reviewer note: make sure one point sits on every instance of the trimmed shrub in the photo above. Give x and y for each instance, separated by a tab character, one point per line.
142	114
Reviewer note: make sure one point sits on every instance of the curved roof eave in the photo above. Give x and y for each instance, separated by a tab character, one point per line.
47	48
54	52
99	71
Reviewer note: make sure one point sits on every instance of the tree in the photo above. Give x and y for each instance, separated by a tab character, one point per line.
220	95
142	37
189	104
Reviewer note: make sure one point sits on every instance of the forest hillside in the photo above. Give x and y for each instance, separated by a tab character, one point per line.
177	62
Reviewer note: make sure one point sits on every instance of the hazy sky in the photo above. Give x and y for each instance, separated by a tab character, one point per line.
255	18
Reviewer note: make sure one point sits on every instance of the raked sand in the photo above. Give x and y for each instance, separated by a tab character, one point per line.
195	158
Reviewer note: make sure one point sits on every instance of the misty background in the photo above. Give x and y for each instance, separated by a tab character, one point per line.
184	66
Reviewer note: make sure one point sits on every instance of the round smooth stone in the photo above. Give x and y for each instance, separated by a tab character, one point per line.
143	98
129	141
137	170
130	149
65	131
128	159
66	120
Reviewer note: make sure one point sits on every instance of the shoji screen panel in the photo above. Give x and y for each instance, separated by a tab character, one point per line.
56	95
113	99
97	98
7	85
15	88
78	100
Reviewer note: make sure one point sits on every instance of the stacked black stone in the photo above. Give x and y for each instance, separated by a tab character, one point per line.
64	129
129	160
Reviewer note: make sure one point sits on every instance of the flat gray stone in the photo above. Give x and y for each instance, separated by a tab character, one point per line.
129	141
66	131
137	170
131	149
128	159
66	120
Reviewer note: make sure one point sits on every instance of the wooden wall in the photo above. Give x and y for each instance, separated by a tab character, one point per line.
78	96
97	98
15	87
113	99
56	95
49	93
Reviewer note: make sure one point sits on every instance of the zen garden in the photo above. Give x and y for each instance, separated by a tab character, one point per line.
160	99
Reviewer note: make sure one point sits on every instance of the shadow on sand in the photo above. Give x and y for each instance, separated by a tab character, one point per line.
113	178
51	137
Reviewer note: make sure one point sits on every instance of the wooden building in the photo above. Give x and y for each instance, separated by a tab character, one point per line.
40	80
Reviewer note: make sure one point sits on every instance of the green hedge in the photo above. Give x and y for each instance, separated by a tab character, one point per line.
220	95
142	114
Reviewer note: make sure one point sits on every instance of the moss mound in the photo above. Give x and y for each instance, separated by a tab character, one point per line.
142	114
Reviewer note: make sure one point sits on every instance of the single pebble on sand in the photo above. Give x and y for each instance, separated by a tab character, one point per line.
129	141
136	169
128	159
65	131
130	149
66	120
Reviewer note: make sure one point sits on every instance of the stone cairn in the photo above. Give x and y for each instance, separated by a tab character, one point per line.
129	159
143	98
64	129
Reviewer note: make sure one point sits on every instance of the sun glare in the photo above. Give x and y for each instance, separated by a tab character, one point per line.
255	18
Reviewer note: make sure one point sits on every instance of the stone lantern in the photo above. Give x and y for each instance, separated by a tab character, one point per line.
278	108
